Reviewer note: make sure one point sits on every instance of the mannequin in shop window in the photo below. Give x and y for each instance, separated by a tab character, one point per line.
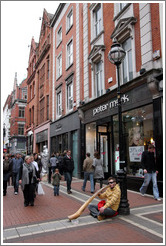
44	160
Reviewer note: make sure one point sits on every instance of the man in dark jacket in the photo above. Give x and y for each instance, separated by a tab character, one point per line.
149	165
16	165
68	167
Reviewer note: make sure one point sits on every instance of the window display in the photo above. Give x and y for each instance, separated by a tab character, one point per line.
137	134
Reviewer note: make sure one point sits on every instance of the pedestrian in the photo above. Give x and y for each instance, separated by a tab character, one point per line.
112	196
37	173
17	163
60	162
27	179
7	172
37	158
68	167
98	169
149	166
56	177
88	169
54	162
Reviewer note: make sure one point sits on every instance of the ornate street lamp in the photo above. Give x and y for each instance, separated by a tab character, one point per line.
116	55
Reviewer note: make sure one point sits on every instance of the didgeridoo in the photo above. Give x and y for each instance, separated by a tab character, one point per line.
82	208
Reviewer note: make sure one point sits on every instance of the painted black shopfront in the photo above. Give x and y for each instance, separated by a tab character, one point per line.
65	134
142	101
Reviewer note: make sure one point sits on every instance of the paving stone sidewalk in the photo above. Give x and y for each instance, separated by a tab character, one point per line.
47	221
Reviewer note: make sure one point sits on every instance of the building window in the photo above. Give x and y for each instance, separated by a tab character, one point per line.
33	88
59	36
97	20
69	20
21	112
42	75
24	93
20	129
59	65
30	117
33	114
47	107
69	56
59	104
127	65
70	97
42	110
98	79
48	68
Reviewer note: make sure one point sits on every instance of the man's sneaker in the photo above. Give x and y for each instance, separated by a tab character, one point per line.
15	192
158	199
100	217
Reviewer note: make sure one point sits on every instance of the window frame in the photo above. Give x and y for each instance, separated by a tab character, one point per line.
59	105
98	22
21	112
58	36
59	66
69	97
99	85
69	23
22	129
69	55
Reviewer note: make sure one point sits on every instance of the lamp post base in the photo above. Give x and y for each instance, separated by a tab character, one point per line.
124	205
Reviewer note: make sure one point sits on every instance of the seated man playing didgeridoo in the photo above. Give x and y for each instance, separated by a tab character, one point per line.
112	196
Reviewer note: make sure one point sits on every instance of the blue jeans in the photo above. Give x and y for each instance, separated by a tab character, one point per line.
90	176
16	181
68	178
56	190
147	178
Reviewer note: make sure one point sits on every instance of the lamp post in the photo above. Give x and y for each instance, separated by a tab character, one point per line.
116	55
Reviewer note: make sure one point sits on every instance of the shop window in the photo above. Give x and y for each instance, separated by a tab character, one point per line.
137	134
91	138
65	141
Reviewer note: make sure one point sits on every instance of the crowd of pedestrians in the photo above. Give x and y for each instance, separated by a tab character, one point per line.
26	171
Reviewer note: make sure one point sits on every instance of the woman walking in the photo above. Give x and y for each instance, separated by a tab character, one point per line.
98	172
27	179
7	171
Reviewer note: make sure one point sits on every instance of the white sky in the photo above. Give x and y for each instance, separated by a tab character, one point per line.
19	23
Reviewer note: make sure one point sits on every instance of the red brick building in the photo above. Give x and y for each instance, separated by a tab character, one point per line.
18	117
84	82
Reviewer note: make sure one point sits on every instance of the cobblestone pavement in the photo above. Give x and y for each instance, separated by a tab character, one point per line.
47	221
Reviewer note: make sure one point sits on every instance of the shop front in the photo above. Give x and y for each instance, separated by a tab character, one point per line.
41	138
141	124
65	134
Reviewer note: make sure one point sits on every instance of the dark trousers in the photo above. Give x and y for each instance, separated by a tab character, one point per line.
4	187
28	192
101	182
95	212
49	174
68	178
16	181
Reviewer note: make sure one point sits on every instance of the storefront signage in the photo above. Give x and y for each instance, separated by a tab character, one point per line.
58	127
135	153
110	105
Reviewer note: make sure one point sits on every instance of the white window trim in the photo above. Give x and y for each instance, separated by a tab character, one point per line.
67	20
58	75
93	35
67	64
67	104
57	110
57	36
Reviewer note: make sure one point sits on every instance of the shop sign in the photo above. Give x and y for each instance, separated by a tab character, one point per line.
110	105
135	153
58	127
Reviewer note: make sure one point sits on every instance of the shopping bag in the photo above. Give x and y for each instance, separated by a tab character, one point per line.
40	190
